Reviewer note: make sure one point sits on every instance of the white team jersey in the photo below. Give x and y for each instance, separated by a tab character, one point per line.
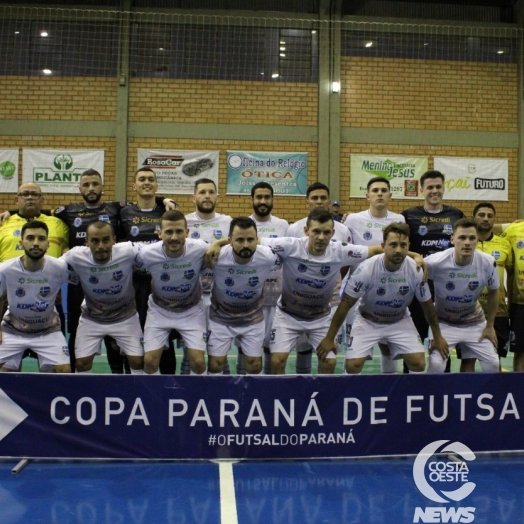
385	295
108	288
237	296
274	228
309	280
175	284
457	288
208	230
31	296
296	230
366	230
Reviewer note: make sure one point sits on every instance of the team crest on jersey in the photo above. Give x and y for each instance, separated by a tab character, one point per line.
157	227
93	280
368	235
403	290
381	291
165	277
448	229
253	281
422	230
229	282
520	243
20	292
358	286
450	286
44	291
189	274
302	268
195	234
217	233
103	218
118	275
16	233
134	231
325	270
474	284
495	255
77	222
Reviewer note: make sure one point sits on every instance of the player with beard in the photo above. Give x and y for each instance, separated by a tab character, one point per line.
78	216
32	282
237	297
500	249
205	223
268	226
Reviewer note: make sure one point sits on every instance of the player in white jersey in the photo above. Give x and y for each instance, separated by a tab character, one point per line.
175	302
311	269
268	226
460	274
205	223
105	271
381	289
317	197
366	228
32	282
237	297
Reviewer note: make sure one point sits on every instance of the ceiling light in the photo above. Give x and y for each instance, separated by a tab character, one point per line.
335	87
44	33
275	75
283	54
500	52
47	71
369	44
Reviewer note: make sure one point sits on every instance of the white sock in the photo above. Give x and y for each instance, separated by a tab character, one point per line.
137	371
213	374
436	363
85	372
388	365
191	372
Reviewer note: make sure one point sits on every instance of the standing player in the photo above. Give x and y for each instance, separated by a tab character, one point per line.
515	235
105	271
310	272
32	282
366	228
176	293
268	226
317	197
500	249
384	286
237	297
140	223
460	274
205	223
431	226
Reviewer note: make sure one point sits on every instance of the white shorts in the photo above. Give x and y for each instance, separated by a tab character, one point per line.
286	330
269	315
128	335
52	349
468	337
191	324
401	337
249	337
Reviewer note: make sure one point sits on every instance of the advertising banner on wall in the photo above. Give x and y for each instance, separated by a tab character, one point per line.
177	171
59	170
285	172
8	170
260	417
403	173
474	178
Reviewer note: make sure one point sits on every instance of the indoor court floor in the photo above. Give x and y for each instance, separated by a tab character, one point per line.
269	492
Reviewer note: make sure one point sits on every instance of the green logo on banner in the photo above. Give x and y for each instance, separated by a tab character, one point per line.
63	162
389	169
7	169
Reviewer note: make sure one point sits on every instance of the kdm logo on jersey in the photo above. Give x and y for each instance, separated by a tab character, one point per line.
444	481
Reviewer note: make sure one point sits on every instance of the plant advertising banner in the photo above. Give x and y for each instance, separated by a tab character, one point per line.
8	170
59	170
402	172
177	171
474	178
285	172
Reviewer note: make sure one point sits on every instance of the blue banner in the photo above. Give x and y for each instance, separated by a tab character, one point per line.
186	417
286	172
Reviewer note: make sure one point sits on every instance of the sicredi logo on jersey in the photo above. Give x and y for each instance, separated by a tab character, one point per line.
444	481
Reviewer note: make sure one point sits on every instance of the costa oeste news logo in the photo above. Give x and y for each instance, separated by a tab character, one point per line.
444	481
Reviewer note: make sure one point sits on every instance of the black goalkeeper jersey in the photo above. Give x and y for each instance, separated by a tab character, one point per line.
430	232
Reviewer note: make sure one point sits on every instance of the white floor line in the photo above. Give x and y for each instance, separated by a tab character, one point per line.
228	502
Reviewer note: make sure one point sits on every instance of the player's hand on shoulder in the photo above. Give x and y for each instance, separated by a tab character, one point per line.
4	216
